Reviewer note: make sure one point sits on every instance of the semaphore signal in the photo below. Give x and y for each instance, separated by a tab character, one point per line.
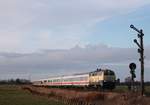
141	51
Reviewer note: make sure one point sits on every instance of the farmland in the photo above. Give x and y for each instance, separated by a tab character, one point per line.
14	95
29	95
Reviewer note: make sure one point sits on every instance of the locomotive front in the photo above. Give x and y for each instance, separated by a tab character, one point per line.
102	78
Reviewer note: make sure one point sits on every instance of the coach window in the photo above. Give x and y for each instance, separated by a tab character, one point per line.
65	80
82	78
79	78
72	79
76	79
85	78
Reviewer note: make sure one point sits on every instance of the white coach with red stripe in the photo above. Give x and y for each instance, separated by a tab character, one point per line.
68	80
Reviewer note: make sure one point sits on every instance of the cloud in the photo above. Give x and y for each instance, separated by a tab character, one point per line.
55	24
10	40
30	25
68	61
47	13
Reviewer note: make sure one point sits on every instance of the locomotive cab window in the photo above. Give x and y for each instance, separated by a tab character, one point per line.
108	72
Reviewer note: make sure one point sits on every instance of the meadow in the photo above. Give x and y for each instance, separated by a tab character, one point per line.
124	88
29	95
14	95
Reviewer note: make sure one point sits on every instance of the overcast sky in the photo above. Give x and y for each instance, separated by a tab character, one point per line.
42	38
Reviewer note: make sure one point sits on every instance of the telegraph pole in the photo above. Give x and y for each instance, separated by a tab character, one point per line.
141	51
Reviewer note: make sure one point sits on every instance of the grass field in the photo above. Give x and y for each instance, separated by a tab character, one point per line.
12	95
125	89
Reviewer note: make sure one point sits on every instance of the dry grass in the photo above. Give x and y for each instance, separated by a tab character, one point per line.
72	97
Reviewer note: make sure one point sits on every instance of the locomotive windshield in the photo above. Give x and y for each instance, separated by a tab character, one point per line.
109	72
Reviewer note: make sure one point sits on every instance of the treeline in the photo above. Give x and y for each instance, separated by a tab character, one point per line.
15	81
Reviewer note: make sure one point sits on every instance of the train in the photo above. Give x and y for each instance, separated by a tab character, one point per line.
100	78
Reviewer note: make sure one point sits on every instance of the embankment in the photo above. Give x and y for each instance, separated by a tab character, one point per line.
72	97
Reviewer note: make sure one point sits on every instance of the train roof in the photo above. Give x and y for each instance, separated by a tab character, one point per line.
98	70
77	74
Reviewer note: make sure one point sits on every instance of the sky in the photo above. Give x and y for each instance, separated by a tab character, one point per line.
43	38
